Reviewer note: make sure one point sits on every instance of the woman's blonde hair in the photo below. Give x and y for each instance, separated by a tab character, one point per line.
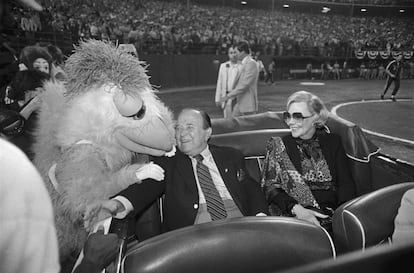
314	103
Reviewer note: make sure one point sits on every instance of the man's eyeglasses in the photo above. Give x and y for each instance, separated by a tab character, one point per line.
298	117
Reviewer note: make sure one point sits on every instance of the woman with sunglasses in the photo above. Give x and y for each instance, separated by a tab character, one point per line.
306	174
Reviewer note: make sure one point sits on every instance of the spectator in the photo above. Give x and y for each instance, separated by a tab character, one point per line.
245	90
309	71
306	174
271	71
226	80
336	71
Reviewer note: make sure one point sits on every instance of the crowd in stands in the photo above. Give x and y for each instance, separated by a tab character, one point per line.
160	27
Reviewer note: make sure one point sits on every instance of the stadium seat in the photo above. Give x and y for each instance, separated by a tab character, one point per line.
382	259
251	133
266	120
367	220
247	244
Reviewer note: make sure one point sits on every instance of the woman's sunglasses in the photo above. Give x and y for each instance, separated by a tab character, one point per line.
298	117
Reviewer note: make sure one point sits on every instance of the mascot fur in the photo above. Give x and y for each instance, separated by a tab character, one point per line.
95	133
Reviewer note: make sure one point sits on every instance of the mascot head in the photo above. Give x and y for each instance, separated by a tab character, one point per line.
112	103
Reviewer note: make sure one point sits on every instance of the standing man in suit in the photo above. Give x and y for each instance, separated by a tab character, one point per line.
186	201
226	80
245	91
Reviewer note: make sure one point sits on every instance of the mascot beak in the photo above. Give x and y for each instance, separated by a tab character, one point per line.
154	138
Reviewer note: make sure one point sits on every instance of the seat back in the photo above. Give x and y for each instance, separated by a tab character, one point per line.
251	143
250	134
246	244
367	220
382	259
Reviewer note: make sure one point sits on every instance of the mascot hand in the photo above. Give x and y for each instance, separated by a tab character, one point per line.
171	153
150	170
98	211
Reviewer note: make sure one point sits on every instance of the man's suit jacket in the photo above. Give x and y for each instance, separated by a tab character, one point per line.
181	200
246	87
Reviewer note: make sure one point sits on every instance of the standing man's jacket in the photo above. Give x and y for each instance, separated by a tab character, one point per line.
246	87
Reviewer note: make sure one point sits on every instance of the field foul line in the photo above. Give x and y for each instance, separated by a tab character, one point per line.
335	108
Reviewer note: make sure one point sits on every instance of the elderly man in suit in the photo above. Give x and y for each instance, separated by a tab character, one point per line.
188	200
228	72
245	91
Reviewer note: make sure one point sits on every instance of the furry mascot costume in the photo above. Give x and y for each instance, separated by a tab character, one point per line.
95	133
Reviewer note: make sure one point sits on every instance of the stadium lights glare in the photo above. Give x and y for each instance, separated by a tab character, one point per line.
285	5
325	10
243	2
363	10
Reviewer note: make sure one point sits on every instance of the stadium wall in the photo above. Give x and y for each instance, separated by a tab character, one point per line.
170	71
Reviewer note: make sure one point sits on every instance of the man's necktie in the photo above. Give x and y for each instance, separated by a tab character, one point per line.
215	205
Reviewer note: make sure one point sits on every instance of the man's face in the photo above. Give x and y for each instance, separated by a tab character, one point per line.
232	55
240	54
41	64
190	135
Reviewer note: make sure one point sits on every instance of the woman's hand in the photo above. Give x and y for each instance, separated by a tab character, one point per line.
307	214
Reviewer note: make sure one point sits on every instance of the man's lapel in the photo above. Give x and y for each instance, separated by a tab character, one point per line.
227	171
185	168
239	72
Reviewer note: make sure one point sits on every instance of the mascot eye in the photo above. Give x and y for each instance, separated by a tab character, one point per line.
140	114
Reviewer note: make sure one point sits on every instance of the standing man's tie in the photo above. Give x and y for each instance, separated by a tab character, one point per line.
215	205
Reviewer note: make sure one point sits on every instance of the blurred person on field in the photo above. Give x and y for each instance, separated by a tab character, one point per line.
245	91
228	72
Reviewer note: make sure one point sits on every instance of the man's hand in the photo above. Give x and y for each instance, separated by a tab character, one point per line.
99	251
307	214
224	99
99	211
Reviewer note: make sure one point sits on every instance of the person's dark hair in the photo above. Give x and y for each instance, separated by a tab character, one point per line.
57	54
205	117
26	80
30	53
243	46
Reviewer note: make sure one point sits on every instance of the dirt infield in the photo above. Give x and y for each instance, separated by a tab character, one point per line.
393	119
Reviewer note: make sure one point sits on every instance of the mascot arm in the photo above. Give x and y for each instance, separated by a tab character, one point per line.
83	176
